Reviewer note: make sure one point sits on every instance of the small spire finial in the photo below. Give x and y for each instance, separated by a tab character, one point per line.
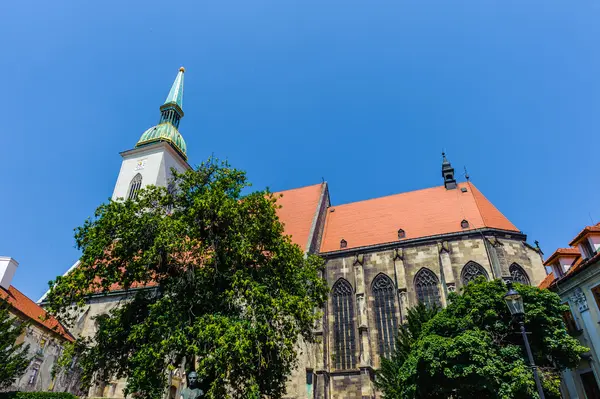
182	69
467	174
448	173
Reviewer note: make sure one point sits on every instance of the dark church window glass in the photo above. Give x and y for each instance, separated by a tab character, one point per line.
343	325
464	224
427	288
343	243
385	314
518	274
134	186
401	234
471	271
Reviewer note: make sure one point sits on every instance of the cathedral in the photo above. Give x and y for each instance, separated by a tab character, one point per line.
382	255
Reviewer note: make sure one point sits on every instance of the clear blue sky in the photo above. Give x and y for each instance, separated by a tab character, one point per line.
363	93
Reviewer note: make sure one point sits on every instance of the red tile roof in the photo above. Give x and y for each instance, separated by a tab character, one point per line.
547	282
33	311
419	213
582	233
298	209
562	252
580	263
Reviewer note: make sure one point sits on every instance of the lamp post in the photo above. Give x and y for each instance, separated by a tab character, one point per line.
514	301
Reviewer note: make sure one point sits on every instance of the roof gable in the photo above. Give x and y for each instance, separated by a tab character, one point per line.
33	311
299	207
595	230
562	253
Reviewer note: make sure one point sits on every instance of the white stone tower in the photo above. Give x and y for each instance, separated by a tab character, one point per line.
158	150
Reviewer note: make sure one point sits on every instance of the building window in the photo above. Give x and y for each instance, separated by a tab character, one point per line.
590	386
570	322
518	274
587	248
134	186
427	288
471	271
343	243
343	325
401	234
558	269
596	292
385	314
464	224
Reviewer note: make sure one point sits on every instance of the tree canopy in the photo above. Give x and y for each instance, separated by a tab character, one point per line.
388	376
13	357
213	282
473	349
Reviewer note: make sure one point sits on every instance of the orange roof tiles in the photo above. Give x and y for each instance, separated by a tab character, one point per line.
584	232
562	252
547	282
578	264
420	213
298	209
33	311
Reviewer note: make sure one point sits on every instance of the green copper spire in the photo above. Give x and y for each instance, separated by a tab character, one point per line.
171	113
176	94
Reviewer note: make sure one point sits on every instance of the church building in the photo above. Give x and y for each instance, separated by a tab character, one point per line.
383	256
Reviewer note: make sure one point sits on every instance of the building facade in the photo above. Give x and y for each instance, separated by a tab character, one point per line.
382	256
575	277
44	335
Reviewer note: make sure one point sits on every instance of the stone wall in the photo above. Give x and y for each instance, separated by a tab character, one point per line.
45	347
445	258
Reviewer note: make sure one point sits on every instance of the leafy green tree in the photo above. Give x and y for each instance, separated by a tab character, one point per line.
388	375
226	291
473	349
13	357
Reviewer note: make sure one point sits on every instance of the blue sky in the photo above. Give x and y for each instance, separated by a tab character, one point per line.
365	94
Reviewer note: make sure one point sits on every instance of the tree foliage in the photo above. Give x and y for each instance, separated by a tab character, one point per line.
13	357
388	375
472	348
226	287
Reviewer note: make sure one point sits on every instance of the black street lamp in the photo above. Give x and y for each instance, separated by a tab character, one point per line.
514	301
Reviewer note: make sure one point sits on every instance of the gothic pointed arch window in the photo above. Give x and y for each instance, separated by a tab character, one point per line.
134	186
385	313
343	325
518	275
471	271
427	287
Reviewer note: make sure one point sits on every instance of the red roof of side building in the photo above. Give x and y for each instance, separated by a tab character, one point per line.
547	282
562	252
580	263
420	213
582	233
298	210
22	304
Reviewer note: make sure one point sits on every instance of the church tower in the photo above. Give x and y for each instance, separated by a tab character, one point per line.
158	150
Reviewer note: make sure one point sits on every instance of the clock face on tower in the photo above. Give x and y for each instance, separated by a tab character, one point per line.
141	164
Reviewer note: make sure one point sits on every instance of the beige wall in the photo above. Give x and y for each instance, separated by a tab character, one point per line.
445	259
45	347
